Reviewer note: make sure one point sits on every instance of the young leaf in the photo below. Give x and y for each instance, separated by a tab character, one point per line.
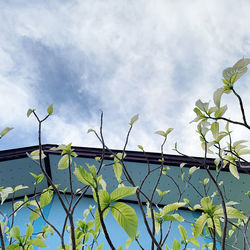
176	245
29	231
220	111
182	232
128	242
100	246
64	162
160	132
234	171
194	241
4	132
15	233
217	96
215	129
37	242
30	111
199	224
36	154
83	176
5	193
118	171
173	206
46	197
134	119
50	109
126	217
192	170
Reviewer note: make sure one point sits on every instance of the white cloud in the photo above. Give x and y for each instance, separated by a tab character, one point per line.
152	58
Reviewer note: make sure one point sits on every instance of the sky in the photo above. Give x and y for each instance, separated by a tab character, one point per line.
146	57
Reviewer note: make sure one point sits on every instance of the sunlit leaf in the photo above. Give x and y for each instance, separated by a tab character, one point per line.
122	192
126	217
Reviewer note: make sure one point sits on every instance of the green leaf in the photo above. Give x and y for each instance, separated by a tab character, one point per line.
173	206
64	162
97	218
242	63
192	170
46	197
232	213
5	131
83	176
157	227
203	106
34	215
122	192
215	129
243	152
199	224
91	130
38	178
182	232
176	245
104	198
36	154
182	165
206	180
128	242
15	233
206	203
5	193
134	119
30	111
100	246
160	132
126	217
168	131
18	206
164	134
217	96
232	74
50	109
172	217
160	193
19	187
182	176
234	171
29	231
220	111
140	147
217	225
37	242
194	241
118	171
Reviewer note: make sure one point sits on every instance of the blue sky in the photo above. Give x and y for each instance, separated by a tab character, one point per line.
155	58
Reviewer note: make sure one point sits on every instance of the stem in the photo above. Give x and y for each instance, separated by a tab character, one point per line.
241	108
102	221
223	240
72	229
213	234
2	238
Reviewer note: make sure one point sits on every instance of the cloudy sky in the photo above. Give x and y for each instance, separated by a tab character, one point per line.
155	58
